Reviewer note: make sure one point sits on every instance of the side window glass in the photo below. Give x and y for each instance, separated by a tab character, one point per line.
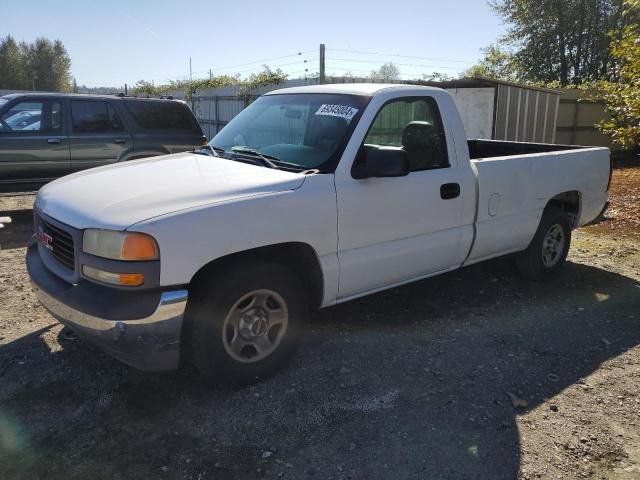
94	117
23	117
415	125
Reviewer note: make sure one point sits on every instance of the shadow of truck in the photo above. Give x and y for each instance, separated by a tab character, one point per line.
409	383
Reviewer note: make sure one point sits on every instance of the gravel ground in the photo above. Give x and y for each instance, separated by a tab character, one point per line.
474	374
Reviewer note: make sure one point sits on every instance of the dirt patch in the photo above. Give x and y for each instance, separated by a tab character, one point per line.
474	374
623	215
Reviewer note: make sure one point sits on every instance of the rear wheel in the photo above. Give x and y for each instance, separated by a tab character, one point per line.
549	248
243	326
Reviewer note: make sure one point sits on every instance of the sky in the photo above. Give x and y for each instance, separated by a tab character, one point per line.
113	42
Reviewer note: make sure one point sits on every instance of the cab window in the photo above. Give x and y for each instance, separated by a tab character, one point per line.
415	125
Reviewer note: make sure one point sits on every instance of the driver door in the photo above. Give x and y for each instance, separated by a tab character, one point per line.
33	142
394	230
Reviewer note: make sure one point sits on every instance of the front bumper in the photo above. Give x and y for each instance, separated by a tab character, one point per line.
137	332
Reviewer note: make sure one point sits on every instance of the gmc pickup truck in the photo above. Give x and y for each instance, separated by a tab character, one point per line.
310	197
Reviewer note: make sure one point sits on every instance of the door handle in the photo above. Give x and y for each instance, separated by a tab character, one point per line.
53	141
120	140
449	191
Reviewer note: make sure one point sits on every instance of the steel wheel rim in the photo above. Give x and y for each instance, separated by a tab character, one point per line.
255	326
553	246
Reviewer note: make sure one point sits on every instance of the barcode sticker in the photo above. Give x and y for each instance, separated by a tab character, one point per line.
342	111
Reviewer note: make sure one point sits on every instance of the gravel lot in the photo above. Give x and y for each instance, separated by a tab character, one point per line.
475	374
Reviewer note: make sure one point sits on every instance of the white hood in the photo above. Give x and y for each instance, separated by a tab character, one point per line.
119	195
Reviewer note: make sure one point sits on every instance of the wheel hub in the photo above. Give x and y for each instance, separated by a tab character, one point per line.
255	326
254	323
553	246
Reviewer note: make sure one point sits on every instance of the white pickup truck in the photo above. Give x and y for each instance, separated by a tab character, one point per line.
310	197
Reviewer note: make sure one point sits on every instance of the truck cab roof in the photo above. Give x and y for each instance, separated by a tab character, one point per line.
366	89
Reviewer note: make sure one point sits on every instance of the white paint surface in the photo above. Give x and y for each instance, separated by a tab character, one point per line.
368	235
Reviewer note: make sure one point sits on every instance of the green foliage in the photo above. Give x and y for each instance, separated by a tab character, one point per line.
41	65
564	41
387	72
623	97
436	77
497	63
249	85
262	79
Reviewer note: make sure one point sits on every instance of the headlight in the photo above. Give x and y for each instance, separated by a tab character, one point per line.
120	245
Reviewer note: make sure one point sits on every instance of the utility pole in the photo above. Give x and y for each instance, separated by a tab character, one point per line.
322	79
191	83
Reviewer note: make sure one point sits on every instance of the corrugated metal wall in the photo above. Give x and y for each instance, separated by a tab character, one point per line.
525	115
577	118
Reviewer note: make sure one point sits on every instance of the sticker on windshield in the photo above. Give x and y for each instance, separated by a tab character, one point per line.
342	111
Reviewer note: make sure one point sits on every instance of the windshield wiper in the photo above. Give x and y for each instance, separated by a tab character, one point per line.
254	153
207	150
274	161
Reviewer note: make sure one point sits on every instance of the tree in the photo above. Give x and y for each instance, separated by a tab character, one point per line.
436	77
566	41
623	97
42	65
13	68
497	63
386	72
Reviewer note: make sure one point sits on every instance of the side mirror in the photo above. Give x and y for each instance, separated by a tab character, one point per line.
381	162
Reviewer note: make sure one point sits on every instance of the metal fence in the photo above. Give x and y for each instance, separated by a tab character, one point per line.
215	107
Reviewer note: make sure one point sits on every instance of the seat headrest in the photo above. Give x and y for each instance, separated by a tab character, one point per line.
418	135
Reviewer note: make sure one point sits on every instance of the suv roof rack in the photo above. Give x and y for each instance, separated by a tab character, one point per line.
160	97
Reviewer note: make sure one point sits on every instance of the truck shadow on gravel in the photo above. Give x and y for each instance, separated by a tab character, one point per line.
17	233
410	383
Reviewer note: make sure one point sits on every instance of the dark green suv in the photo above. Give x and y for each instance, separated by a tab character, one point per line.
46	136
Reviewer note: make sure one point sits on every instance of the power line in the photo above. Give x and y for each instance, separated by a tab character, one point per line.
400	64
362	52
229	67
263	60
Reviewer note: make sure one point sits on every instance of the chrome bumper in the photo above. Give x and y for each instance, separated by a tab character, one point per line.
150	343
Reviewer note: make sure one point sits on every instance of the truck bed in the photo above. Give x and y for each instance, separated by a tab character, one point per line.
515	182
484	149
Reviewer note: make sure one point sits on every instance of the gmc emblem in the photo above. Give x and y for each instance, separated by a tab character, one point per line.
45	239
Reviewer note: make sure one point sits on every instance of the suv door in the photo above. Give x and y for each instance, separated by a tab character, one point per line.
98	136
33	142
394	230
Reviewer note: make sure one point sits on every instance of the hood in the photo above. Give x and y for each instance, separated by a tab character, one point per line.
119	195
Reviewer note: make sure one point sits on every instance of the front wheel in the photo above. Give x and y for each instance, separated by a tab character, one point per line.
244	324
549	248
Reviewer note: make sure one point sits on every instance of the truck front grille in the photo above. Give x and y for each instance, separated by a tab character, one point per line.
58	242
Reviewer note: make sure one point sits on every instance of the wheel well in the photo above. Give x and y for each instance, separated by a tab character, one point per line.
568	202
300	257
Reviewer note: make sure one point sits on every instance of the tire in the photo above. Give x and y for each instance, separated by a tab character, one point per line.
549	248
243	326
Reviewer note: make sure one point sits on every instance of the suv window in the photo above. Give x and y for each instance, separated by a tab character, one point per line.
161	115
415	125
94	116
32	116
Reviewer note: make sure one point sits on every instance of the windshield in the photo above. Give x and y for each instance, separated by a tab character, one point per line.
3	101
306	130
